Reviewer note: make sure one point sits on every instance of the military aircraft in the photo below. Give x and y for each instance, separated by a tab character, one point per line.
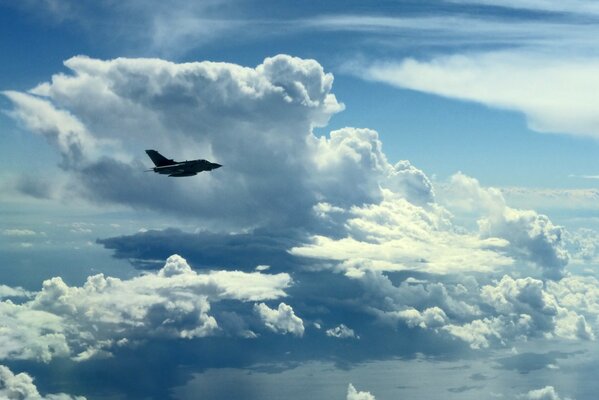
170	167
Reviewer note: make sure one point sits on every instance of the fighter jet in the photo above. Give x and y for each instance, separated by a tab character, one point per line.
170	167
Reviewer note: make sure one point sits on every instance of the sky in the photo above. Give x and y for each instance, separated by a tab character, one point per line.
407	207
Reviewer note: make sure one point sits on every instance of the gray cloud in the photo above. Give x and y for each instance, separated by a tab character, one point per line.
207	249
255	121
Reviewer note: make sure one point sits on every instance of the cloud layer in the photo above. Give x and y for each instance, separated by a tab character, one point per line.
355	240
87	321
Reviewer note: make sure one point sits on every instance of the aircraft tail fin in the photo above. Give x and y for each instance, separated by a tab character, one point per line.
158	159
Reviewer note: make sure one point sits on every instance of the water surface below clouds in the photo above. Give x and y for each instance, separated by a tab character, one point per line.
502	374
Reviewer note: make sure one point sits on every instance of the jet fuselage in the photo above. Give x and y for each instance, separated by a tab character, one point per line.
173	168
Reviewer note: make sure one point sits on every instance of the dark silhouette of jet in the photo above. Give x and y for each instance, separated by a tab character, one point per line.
170	167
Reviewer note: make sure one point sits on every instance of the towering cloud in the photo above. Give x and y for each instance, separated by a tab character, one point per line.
257	122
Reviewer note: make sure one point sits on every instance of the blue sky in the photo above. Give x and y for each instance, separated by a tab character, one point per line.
408	191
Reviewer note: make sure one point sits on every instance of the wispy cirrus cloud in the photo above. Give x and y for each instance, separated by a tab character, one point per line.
567	6
554	94
171	28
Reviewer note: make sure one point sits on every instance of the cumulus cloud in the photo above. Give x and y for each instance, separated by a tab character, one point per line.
353	394
498	313
512	80
546	393
342	332
526	307
282	319
531	236
364	216
583	245
21	387
352	164
255	121
398	235
83	322
429	318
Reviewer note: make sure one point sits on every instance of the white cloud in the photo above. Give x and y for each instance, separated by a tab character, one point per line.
21	387
407	230
546	393
526	307
531	236
429	318
352	167
555	94
283	319
342	332
83	322
60	127
498	313
398	235
477	333
255	121
7	291
353	394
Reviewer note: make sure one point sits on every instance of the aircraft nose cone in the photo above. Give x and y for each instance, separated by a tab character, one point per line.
215	165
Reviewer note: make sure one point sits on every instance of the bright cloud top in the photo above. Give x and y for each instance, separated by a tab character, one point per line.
396	234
